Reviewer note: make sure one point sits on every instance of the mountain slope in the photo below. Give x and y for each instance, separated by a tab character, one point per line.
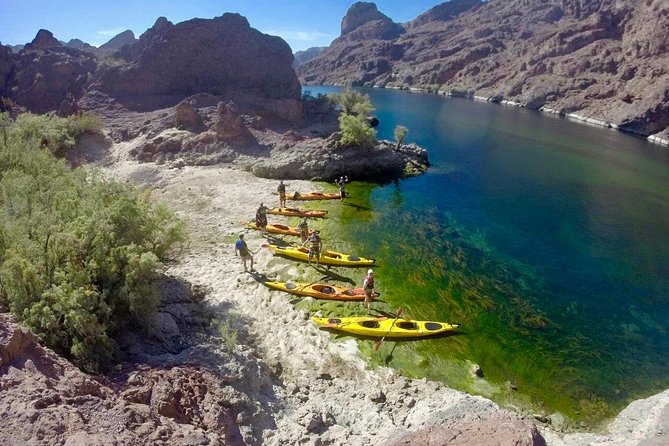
606	59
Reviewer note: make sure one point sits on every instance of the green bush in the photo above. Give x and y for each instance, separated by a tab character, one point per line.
355	130
78	255
52	132
353	102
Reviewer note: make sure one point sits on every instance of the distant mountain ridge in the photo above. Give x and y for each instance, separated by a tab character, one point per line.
306	55
605	59
116	42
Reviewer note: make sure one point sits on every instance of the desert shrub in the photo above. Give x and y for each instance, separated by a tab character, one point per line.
353	102
81	123
52	132
355	130
78	254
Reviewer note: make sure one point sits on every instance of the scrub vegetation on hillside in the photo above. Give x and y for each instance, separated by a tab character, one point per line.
78	254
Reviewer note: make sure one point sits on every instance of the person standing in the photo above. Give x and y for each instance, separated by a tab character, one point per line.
341	182
315	246
261	218
368	288
243	251
281	189
304	229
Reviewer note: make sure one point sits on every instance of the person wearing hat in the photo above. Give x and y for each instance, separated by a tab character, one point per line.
315	246
368	288
261	218
243	250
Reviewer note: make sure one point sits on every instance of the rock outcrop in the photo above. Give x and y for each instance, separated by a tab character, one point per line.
44	39
209	132
197	396
364	21
604	59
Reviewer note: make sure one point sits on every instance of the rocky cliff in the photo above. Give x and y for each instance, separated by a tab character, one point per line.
45	73
605	59
223	56
220	56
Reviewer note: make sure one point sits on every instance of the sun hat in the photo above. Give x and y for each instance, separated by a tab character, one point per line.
370	271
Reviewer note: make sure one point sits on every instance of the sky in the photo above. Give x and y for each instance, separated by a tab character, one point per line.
303	24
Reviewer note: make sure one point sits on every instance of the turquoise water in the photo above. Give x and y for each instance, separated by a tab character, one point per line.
548	240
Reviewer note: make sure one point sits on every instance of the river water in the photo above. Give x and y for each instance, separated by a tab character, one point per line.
547	240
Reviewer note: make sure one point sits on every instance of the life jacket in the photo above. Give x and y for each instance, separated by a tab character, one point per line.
369	282
244	251
315	242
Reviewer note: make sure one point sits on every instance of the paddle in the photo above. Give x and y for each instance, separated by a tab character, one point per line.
264	245
377	347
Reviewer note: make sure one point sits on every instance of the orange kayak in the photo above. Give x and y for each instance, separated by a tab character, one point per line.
318	290
294	212
315	196
274	228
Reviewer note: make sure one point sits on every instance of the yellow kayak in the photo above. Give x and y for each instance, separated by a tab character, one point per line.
294	212
274	228
380	327
318	290
314	196
327	257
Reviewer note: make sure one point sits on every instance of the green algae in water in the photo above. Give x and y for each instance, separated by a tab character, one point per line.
443	272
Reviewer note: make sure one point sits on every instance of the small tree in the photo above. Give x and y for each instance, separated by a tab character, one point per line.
400	133
353	102
356	131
